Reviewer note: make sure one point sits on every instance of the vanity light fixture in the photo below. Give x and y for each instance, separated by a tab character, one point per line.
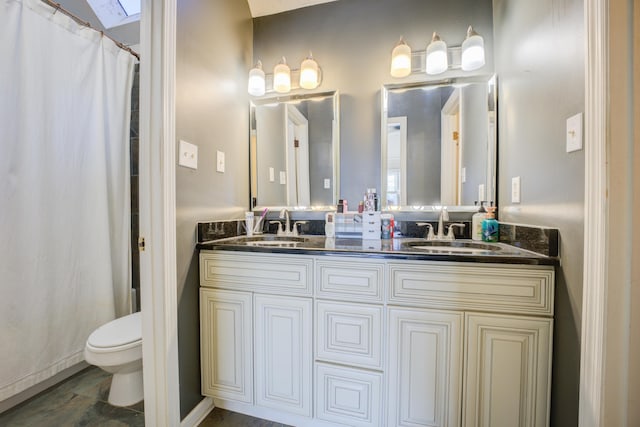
472	51
401	59
282	77
257	82
438	57
309	75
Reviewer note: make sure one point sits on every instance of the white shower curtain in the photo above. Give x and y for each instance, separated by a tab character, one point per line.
65	100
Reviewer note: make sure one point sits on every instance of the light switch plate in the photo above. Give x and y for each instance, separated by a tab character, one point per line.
188	155
574	133
515	189
220	161
327	183
272	175
283	177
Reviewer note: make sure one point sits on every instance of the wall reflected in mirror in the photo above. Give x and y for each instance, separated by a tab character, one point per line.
294	151
439	144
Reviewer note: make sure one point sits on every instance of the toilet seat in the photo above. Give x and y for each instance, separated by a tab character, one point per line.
119	334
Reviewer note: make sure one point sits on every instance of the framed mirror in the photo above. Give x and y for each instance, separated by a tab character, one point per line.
294	151
439	144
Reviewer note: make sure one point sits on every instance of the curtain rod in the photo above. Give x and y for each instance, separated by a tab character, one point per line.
59	7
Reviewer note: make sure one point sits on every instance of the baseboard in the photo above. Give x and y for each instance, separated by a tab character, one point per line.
199	413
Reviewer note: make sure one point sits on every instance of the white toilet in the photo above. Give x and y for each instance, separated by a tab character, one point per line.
116	347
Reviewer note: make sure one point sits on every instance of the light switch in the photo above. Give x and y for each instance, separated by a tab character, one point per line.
515	189
272	175
220	161
188	155
283	177
574	133
327	183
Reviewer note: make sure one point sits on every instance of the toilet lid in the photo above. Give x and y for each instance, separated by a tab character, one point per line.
118	332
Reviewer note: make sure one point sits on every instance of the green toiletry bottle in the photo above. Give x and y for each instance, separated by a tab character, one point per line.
490	226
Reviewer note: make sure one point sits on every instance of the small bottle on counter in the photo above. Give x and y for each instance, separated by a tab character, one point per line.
490	226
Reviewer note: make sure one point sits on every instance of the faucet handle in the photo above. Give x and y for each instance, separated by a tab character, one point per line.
429	234
295	227
279	233
450	235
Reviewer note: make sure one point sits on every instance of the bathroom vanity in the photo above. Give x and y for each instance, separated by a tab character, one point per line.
323	332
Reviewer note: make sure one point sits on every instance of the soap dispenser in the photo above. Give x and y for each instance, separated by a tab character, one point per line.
490	226
476	222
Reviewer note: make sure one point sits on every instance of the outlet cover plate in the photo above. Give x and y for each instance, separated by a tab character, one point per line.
220	161
515	189
188	155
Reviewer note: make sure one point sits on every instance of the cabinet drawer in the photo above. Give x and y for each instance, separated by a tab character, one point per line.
489	287
349	333
347	278
273	273
347	396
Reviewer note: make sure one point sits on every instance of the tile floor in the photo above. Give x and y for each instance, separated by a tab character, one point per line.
81	401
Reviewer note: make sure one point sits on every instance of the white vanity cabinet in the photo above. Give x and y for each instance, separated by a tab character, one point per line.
469	339
319	341
349	334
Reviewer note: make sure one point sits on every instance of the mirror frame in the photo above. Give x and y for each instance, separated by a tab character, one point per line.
335	155
492	157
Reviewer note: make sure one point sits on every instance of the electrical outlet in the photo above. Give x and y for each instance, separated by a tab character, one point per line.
515	189
272	175
220	161
188	155
283	177
327	183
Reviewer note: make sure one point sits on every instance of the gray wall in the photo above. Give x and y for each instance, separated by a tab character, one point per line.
214	51
352	41
539	51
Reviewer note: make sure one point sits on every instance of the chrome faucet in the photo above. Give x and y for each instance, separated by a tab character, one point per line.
429	232
444	216
450	234
284	214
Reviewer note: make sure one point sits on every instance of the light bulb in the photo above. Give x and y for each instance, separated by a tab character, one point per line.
401	60
256	86
437	60
472	51
282	77
309	76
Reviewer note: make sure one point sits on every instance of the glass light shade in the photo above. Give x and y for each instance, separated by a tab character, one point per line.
256	85
437	59
282	77
401	60
309	75
472	51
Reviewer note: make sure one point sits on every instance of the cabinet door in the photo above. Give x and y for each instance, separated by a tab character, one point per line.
425	367
225	344
283	353
508	368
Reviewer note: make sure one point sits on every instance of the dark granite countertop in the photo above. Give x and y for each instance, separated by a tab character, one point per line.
403	248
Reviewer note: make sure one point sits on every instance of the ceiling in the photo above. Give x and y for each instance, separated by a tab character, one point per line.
270	7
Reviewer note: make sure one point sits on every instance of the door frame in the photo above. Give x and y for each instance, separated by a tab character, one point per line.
158	268
450	151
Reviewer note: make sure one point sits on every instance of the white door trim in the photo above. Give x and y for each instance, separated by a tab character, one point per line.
593	351
158	278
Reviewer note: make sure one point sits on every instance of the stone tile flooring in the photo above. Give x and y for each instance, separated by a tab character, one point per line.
81	401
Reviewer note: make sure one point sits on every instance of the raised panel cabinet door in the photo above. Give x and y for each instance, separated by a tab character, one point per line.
226	344
348	396
349	333
508	371
283	356
425	367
